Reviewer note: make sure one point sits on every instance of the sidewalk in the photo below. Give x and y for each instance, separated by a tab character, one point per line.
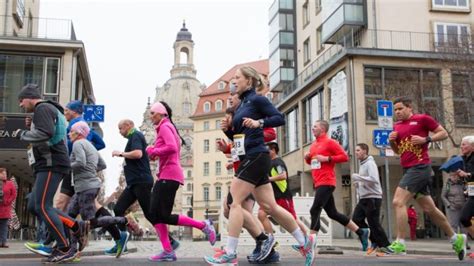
197	249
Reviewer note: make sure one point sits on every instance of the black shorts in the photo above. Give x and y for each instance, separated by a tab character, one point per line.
230	200
417	180
254	168
66	186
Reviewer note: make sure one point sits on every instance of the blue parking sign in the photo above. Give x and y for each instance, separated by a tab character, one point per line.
384	108
381	137
94	113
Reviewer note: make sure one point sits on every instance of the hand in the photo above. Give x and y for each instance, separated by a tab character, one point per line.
17	133
116	153
229	166
393	136
417	140
28	120
250	123
225	124
322	158
307	156
221	145
461	173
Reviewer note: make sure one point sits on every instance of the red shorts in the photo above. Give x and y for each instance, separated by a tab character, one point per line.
287	204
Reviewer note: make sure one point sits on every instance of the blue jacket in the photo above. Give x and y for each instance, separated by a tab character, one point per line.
255	107
93	137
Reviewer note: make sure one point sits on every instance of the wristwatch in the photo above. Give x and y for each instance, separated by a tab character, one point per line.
121	154
261	122
428	139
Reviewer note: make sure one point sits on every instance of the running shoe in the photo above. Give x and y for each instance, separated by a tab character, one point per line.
174	244
459	246
113	251
82	234
266	248
371	249
122	243
256	251
398	248
39	248
309	249
58	256
222	258
273	258
163	256
364	238
384	251
210	231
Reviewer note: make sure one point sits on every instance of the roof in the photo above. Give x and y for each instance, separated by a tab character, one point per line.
213	92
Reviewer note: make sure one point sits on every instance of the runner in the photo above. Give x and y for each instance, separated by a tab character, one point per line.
323	155
166	152
410	138
246	131
369	192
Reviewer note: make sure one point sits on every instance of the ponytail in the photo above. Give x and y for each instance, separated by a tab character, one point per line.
170	115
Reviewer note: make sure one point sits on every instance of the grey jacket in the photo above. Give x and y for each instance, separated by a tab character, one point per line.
368	181
85	162
453	195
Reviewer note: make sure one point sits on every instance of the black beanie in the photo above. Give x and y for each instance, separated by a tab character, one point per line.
29	91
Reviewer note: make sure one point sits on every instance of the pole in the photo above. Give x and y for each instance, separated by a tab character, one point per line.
387	200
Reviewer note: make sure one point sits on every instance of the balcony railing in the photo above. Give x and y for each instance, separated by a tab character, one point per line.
37	28
381	40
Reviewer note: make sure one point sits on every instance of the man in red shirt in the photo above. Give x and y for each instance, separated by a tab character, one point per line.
323	155
410	139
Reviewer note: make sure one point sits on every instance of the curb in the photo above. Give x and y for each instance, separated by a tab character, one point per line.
412	252
30	255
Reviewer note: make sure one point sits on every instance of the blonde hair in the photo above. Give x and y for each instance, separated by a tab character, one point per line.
252	74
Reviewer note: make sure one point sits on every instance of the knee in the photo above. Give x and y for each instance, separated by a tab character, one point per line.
398	203
262	215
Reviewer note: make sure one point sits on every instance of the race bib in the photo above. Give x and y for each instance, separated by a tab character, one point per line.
470	189
315	164
239	141
235	157
31	156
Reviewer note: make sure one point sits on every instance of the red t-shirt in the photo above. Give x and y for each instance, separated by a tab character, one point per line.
323	172
417	124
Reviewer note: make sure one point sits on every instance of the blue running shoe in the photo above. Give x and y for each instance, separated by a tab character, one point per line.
308	249
274	257
267	246
256	251
163	256
210	231
58	256
39	248
122	243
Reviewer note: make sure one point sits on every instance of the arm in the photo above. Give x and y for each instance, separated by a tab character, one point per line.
373	174
273	118
169	145
392	138
101	165
80	159
44	125
338	154
281	176
96	140
444	196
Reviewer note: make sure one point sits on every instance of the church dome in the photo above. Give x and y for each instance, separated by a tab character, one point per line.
184	34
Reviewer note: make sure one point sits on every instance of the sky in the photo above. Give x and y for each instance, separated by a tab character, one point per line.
129	48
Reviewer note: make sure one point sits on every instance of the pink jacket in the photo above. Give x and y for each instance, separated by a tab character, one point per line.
167	150
9	195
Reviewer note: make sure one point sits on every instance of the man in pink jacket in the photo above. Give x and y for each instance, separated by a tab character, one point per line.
7	196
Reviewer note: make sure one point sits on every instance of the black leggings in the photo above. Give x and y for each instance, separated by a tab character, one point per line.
370	209
140	192
467	213
323	199
162	200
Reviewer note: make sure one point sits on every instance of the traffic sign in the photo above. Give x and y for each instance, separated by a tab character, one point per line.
94	113
384	108
381	137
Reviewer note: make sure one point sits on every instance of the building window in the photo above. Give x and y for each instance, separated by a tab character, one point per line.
188	201
423	86
319	41
451	4
19	12
206	125
206	169
207	107
187	108
451	37
189	174
206	194
218	124
18	69
218	193
206	146
305	14
221	85
189	187
291	130
219	105
314	112
463	99
318	6
306	52
218	168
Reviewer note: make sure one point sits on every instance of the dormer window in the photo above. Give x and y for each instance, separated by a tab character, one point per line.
221	85
207	107
219	105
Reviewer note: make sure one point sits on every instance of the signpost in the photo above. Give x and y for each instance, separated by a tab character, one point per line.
94	113
385	123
